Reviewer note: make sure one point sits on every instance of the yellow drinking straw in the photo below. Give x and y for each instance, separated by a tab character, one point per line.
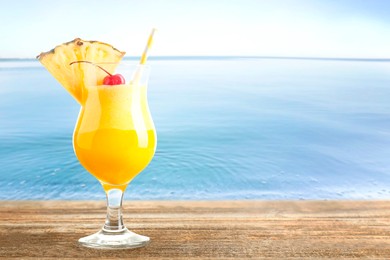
147	47
138	73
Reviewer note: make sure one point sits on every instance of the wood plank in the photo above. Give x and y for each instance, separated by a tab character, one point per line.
202	229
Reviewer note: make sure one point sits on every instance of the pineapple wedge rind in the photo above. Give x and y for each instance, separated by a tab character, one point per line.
75	77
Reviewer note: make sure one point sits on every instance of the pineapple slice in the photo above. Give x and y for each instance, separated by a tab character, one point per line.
76	76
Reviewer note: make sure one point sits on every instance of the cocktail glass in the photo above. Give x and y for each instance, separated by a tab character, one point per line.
114	139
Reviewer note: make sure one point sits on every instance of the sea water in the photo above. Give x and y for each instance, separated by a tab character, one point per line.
228	128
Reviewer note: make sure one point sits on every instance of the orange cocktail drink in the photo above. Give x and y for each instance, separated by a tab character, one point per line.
115	138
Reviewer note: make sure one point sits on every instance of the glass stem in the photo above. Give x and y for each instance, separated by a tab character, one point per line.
114	221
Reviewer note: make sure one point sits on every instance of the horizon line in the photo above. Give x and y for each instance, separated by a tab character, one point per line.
194	57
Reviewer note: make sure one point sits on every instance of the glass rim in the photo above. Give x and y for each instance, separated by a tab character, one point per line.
124	64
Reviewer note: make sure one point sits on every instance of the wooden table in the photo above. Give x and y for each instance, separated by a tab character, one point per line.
202	229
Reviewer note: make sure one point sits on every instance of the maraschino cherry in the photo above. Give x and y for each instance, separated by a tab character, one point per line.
110	79
116	79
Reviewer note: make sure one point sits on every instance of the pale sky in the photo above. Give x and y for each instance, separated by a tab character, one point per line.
308	28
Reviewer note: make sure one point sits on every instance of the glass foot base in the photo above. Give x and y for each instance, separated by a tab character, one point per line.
114	240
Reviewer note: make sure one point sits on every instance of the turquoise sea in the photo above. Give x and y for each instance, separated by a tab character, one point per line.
228	128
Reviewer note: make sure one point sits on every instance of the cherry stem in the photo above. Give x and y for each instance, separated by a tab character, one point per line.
80	61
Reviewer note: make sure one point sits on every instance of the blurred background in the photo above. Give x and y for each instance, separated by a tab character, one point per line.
283	99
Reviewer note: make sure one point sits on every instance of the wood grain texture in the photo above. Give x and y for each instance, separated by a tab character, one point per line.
202	229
